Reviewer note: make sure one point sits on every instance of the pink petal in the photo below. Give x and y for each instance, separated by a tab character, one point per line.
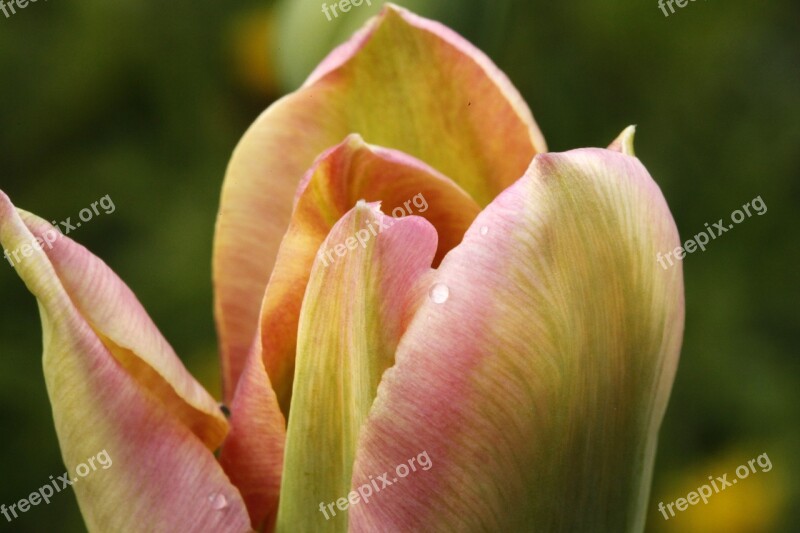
116	387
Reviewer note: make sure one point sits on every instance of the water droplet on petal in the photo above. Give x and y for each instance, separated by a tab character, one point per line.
218	501
484	230
439	293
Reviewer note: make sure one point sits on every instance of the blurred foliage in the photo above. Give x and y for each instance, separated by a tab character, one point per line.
144	101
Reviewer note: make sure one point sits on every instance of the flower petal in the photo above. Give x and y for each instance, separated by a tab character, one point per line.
354	312
252	454
403	82
538	387
116	386
98	297
340	177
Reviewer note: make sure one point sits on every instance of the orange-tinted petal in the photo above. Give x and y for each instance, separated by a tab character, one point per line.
348	172
252	454
403	82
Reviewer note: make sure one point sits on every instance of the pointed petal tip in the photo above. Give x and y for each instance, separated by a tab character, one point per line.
363	206
624	142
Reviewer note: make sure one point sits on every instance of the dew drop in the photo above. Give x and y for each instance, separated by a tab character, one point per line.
484	230
439	293
218	501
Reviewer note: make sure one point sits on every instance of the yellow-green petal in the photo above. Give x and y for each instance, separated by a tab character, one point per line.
354	312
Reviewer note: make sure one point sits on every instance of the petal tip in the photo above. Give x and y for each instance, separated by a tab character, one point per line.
624	142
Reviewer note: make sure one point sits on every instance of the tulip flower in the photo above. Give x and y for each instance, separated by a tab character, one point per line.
406	276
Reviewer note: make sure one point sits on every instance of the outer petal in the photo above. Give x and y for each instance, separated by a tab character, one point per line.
348	172
355	311
538	387
116	386
403	82
111	310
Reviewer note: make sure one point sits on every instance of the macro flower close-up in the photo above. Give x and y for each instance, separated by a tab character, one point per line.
426	320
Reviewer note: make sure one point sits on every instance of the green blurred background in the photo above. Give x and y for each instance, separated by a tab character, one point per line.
144	101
